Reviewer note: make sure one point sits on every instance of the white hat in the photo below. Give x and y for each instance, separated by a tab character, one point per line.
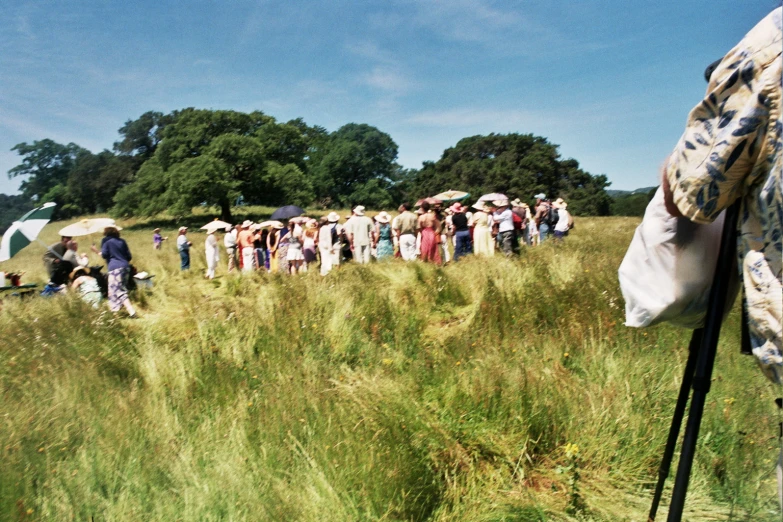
383	217
333	217
183	229
247	223
500	202
559	203
359	211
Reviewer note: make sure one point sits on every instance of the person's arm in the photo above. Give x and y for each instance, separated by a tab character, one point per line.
713	163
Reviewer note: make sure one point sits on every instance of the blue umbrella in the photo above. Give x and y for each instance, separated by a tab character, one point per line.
287	212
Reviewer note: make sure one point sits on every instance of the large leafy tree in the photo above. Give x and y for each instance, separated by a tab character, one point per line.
355	155
95	179
140	137
46	164
519	165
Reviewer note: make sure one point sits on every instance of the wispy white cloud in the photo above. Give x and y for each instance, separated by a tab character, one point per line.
388	79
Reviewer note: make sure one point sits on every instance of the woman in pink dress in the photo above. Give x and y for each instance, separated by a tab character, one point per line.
430	235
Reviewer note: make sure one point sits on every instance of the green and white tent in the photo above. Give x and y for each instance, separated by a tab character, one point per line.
25	230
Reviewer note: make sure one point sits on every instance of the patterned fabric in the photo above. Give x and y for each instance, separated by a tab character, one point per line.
385	247
118	291
733	148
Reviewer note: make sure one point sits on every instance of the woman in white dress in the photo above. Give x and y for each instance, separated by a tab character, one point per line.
295	256
213	254
481	221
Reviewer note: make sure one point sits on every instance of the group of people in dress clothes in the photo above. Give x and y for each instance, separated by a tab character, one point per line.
428	234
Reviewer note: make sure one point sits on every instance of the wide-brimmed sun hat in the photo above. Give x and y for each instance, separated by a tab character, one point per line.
457	207
277	225
78	270
359	211
383	217
247	223
333	217
500	202
480	206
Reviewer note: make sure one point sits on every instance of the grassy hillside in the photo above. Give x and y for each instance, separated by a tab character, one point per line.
489	390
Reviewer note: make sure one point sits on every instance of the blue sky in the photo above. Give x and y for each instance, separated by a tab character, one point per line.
611	82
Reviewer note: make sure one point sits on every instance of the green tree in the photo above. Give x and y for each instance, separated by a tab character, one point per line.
519	165
354	155
95	179
140	137
47	165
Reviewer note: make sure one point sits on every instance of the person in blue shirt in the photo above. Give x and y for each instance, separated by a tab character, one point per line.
115	251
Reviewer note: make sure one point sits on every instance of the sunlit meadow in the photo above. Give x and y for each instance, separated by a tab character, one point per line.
488	390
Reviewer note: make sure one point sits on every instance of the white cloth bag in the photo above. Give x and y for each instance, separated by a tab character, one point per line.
667	273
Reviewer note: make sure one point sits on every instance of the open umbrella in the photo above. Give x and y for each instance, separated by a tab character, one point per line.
24	231
287	212
215	225
492	197
85	227
451	195
275	224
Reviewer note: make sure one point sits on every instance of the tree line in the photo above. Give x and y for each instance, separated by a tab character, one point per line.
174	162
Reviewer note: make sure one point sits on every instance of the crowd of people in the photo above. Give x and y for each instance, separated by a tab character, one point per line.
428	234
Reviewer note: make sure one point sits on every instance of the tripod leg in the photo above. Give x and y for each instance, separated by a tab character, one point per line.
706	359
679	413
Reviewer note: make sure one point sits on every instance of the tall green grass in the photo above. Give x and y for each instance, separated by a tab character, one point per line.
390	392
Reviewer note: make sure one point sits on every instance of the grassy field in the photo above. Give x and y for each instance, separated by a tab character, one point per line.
488	390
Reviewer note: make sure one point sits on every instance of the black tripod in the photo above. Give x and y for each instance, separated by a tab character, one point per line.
698	373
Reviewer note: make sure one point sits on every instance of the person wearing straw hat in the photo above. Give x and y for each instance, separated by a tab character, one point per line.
115	251
86	286
360	229
461	231
245	246
329	242
157	239
483	244
212	253
505	220
183	246
563	219
384	247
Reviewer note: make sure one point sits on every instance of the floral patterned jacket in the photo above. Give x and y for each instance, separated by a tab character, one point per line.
733	148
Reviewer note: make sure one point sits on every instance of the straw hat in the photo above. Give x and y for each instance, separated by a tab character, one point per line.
480	206
383	217
333	217
76	271
359	211
277	225
500	202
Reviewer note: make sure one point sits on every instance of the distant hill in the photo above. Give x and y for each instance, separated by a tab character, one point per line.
618	193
